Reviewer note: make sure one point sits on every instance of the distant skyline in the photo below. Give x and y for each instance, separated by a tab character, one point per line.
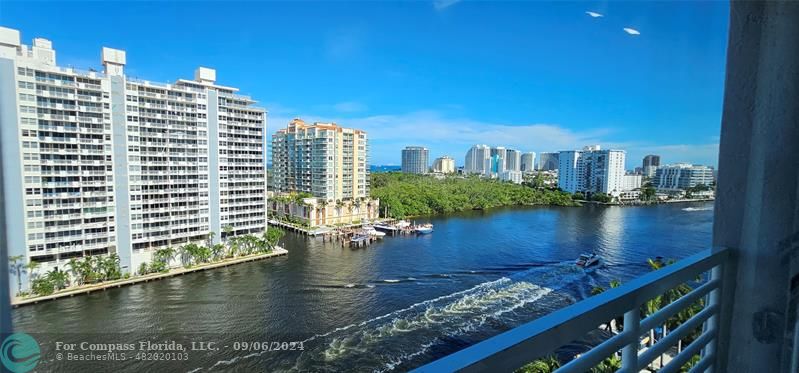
646	77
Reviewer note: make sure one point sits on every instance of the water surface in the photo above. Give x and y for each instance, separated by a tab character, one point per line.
395	305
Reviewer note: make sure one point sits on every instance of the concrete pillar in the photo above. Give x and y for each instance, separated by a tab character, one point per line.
756	209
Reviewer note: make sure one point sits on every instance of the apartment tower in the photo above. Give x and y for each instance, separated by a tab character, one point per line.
98	163
415	159
323	159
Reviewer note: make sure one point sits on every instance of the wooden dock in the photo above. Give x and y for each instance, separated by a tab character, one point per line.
18	302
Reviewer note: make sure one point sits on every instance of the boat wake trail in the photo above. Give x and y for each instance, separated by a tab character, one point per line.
386	342
697	209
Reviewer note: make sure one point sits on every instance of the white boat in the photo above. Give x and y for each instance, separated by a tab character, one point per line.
385	227
370	230
424	229
587	260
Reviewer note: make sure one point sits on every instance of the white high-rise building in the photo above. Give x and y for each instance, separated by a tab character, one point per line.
99	163
513	160
682	176
631	182
592	170
444	165
415	159
548	161
567	170
476	158
528	162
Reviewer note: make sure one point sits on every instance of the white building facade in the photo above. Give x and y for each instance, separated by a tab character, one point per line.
682	176
512	176
415	160
592	170
567	170
98	163
630	182
513	160
548	161
528	162
476	159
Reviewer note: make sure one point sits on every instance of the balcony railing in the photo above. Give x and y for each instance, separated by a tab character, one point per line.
513	349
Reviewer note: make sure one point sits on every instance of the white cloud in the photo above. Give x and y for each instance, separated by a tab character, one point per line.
594	14
444	4
452	135
632	31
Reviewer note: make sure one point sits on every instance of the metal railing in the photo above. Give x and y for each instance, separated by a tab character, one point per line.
511	350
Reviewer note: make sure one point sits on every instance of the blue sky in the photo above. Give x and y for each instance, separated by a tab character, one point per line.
537	76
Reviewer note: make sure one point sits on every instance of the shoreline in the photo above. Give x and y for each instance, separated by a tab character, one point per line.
648	203
17	302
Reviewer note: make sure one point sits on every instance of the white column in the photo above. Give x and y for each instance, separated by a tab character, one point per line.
756	210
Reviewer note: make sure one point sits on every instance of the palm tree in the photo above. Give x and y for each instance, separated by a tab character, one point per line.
17	268
323	203
59	279
184	255
86	270
544	365
228	230
32	267
74	270
165	255
110	267
613	323
339	205
209	238
217	251
233	246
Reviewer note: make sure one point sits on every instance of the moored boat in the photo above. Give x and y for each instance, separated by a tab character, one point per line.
424	228
370	230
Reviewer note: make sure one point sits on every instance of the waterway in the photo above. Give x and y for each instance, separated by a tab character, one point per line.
395	305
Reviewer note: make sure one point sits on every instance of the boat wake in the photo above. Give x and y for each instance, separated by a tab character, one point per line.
697	209
387	342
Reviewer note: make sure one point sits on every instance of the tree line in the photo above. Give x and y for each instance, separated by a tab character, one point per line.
402	195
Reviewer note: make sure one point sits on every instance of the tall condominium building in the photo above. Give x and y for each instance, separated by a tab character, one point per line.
444	165
502	153
513	160
528	162
476	158
567	170
415	159
548	161
494	166
98	163
592	170
682	176
323	159
650	164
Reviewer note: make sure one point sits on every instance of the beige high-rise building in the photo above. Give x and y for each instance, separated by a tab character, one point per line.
444	165
329	163
323	159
